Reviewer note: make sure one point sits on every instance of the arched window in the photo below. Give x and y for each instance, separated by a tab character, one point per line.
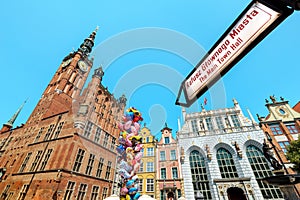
261	169
199	175
226	164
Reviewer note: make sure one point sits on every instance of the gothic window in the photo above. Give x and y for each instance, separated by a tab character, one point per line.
69	190
5	191
9	196
199	175
209	123
113	144
100	166
173	154
163	174
104	193
162	155
194	126
37	158
81	191
90	164
88	129
39	135
23	192
105	139
235	121
261	169
226	164
46	158
49	131
78	160
95	192
97	135
275	128
25	162
58	130
108	168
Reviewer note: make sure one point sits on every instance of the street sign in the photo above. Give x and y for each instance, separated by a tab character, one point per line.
253	24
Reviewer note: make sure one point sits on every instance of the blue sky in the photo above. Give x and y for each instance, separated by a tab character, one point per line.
146	48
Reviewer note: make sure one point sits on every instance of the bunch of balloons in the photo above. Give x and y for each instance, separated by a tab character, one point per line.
130	152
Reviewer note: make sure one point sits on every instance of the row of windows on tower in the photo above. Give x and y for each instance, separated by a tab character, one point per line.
90	165
216	123
35	163
98	137
227	168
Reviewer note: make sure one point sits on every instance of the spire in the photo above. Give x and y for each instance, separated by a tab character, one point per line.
14	117
86	47
251	117
183	111
178	123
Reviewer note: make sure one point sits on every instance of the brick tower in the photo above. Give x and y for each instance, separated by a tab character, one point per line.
66	149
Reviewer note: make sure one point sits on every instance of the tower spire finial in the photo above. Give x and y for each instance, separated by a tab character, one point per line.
87	45
14	117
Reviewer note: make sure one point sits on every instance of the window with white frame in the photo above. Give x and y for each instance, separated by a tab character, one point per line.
173	154
209	123
141	184
163	173
292	128
194	125
235	121
150	151
220	123
284	145
162	155
150	167
141	169
174	172
150	185
167	140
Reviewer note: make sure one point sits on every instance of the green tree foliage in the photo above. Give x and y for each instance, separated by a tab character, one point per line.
293	154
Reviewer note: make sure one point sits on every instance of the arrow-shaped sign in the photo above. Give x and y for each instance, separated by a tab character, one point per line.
253	24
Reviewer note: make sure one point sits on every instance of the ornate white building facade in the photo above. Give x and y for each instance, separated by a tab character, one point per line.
222	156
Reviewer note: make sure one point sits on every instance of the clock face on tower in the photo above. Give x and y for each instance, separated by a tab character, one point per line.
83	66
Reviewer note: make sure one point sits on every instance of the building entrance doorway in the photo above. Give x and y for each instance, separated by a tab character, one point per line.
170	196
235	193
